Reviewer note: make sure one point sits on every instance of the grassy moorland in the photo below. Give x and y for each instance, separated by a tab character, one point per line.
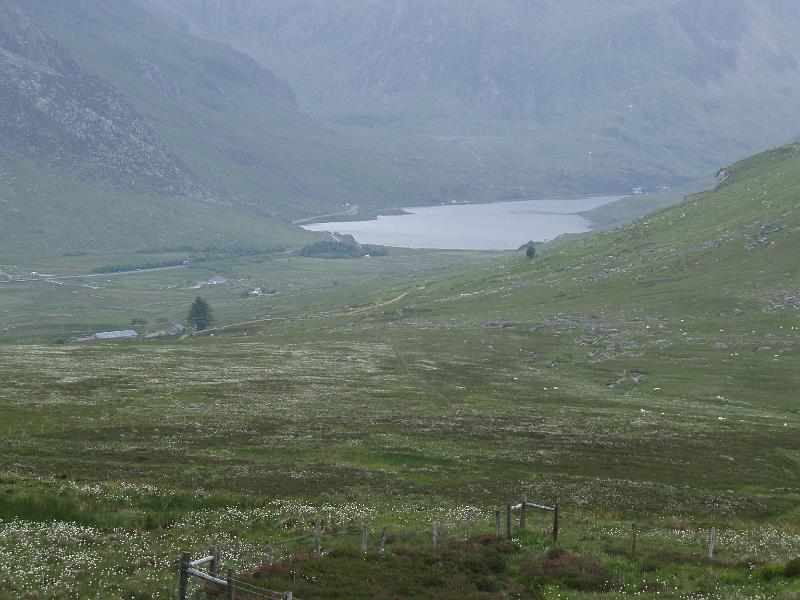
648	373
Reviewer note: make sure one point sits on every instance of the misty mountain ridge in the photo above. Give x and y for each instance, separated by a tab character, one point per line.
109	114
509	59
689	84
275	111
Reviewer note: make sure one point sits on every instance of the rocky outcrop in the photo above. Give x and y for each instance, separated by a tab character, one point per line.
724	176
54	109
507	58
660	87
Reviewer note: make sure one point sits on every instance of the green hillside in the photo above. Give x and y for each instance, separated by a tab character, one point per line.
732	247
644	374
44	213
703	297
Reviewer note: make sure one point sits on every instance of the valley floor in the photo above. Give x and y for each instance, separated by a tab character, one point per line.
647	375
403	408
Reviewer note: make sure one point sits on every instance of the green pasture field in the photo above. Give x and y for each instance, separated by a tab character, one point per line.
646	374
65	299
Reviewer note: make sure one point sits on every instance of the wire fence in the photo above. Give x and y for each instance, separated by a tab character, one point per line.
369	538
375	539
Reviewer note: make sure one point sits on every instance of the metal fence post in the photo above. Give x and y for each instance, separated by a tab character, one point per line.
523	518
435	532
318	541
269	551
633	538
469	525
364	538
497	523
383	538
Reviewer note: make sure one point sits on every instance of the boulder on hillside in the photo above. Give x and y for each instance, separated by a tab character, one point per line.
724	175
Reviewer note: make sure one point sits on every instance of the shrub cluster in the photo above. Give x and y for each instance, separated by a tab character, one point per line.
790	570
345	247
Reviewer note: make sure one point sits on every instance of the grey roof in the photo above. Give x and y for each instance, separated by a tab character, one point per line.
115	335
175	329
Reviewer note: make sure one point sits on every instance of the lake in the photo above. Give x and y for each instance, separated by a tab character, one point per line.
495	226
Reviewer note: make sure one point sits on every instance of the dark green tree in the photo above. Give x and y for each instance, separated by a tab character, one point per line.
200	314
530	252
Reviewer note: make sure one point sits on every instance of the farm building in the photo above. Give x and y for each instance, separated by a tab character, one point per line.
175	329
171	331
116	335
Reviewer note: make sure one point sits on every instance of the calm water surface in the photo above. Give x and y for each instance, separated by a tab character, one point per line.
497	226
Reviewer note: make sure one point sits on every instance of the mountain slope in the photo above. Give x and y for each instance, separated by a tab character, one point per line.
670	88
84	170
702	300
113	117
53	108
234	124
731	247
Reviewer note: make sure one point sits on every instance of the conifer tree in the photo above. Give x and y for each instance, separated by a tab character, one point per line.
200	314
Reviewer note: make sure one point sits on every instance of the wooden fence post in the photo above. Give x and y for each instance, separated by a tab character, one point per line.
523	520
383	538
497	523
318	541
231	579
213	566
435	532
469	525
364	538
183	577
633	538
712	540
508	521
270	551
555	524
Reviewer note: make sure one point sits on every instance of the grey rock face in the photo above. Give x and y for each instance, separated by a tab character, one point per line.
660	85
52	108
723	176
506	57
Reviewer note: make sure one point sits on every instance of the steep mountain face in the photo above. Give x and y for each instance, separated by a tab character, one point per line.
683	83
118	134
152	90
422	102
508	58
108	115
53	108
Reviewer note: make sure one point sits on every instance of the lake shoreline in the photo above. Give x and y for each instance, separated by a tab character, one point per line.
472	226
357	213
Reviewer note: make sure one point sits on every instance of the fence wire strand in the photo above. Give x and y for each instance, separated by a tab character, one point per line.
257	591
